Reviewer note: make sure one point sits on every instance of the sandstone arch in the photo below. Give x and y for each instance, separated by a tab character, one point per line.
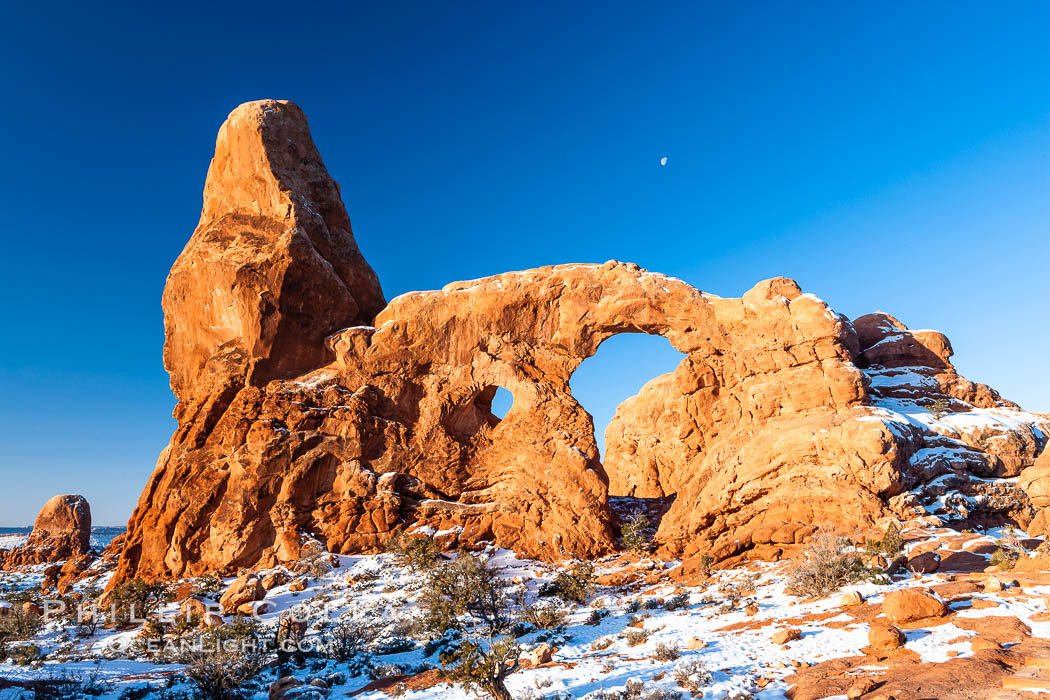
303	419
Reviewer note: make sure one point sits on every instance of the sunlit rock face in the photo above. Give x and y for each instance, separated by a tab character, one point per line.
62	531
311	409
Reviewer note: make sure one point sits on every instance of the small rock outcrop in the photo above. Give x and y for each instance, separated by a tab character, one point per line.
62	531
312	411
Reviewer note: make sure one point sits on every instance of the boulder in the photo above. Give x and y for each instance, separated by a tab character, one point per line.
925	563
695	643
297	586
910	604
280	687
192	608
980	643
786	635
541	654
62	531
275	579
851	599
244	589
883	636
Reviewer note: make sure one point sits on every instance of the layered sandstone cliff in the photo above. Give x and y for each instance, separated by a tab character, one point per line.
309	410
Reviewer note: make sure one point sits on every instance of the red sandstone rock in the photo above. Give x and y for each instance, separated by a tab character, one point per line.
62	531
245	589
883	636
910	604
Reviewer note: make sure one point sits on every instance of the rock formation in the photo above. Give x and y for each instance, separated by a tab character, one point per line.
62	531
309	411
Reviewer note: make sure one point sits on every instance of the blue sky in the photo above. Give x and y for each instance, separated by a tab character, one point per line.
886	158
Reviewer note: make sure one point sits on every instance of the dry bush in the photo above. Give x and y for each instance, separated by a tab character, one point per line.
418	554
829	563
635	533
692	675
222	661
634	636
667	652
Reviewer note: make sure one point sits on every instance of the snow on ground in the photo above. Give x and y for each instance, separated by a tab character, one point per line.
591	652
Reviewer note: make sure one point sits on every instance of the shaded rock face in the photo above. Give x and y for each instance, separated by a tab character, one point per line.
310	411
62	531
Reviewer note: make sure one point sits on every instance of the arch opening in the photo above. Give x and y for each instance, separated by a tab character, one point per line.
617	372
626	377
483	410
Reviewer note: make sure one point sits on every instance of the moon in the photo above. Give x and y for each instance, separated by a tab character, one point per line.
663	161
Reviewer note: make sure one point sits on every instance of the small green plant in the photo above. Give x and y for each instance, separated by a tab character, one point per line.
891	544
1008	550
419	554
574	585
208	586
482	670
136	600
466	587
635	533
938	407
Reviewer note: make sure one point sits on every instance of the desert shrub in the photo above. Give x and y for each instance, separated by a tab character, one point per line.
18	625
1004	557
601	643
667	652
419	554
829	563
635	533
633	606
634	636
23	654
136	600
676	602
71	684
692	676
222	661
705	564
314	560
208	586
345	639
890	544
543	615
634	689
466	586
482	670
574	585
